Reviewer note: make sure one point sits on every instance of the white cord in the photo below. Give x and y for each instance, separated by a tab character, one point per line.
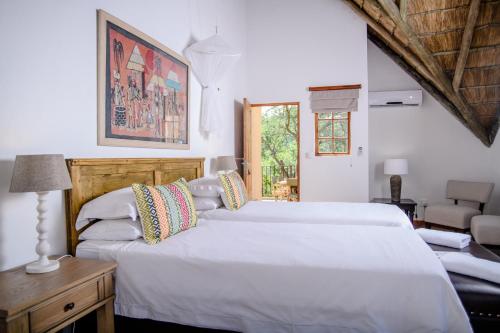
64	256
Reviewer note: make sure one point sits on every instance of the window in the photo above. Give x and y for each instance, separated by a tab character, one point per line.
333	133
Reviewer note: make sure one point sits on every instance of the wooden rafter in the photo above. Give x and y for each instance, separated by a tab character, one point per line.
428	86
391	41
438	77
466	41
414	43
435	69
403	9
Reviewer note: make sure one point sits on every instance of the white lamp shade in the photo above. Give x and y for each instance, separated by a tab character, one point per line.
396	166
225	163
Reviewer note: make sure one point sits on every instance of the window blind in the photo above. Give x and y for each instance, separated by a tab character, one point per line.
334	100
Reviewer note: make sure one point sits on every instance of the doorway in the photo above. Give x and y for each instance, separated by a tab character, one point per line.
271	150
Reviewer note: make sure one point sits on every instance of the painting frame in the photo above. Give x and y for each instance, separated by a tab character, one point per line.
105	123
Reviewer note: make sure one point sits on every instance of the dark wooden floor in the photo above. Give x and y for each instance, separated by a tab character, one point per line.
493	248
128	325
88	324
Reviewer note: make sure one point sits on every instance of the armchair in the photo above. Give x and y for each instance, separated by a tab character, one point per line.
469	200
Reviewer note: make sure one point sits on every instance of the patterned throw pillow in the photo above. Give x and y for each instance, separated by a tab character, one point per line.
235	193
164	210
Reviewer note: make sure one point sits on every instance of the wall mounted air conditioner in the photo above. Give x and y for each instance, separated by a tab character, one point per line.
395	98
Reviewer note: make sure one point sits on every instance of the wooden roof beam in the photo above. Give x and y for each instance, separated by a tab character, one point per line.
403	9
494	130
466	41
407	60
414	43
435	69
428	86
391	41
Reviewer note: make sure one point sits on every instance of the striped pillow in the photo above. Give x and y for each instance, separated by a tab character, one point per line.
164	210
234	195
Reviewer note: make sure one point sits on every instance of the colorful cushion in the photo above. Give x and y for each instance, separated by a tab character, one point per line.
234	193
164	210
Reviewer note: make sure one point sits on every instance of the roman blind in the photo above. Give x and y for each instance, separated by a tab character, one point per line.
334	99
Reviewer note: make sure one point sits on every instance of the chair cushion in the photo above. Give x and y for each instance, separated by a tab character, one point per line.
486	229
451	215
469	191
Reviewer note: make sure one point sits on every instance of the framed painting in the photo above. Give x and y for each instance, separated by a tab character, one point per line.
143	89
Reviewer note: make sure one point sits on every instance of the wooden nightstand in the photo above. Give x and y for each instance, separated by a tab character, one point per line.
407	205
50	301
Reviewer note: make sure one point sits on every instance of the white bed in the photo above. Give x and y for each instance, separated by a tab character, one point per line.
338	213
265	277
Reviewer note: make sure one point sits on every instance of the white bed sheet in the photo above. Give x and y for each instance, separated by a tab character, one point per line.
338	213
265	277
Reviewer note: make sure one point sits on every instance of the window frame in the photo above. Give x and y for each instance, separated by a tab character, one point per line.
317	138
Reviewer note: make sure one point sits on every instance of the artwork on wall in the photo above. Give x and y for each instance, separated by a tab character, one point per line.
143	89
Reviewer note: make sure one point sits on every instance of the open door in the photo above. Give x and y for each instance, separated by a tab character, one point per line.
252	150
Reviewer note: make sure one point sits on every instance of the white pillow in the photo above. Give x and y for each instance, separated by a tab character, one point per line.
117	204
207	203
207	187
113	230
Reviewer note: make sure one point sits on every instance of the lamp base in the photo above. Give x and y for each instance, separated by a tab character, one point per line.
395	188
38	267
43	264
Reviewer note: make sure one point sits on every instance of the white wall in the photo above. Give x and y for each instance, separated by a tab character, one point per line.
296	44
437	145
48	92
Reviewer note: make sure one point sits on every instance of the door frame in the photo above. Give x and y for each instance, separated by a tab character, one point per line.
298	136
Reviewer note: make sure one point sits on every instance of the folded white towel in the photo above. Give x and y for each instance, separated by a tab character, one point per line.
446	238
463	263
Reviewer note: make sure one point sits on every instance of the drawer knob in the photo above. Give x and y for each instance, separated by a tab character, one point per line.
69	306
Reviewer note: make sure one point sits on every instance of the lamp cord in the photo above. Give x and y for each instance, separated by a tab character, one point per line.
64	256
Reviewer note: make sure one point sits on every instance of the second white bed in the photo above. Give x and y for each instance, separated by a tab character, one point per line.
335	213
272	277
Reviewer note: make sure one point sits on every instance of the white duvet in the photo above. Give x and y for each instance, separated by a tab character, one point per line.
270	277
338	213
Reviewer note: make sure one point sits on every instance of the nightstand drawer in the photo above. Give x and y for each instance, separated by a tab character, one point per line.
64	306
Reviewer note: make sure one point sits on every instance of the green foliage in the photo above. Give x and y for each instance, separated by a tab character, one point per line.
279	129
279	135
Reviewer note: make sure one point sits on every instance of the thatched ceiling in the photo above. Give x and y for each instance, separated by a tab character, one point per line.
451	47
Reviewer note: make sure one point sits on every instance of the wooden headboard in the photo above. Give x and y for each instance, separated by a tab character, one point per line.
92	177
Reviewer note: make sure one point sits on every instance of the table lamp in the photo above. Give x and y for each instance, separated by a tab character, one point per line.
225	164
40	174
396	168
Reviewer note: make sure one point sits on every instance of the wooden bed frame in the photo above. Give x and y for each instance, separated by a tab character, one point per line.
92	177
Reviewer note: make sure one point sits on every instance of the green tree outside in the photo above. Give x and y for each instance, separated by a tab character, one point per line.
279	129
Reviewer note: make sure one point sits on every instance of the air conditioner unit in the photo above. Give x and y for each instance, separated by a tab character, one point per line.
395	98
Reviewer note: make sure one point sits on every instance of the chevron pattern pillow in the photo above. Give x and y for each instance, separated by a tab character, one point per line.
165	210
234	193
